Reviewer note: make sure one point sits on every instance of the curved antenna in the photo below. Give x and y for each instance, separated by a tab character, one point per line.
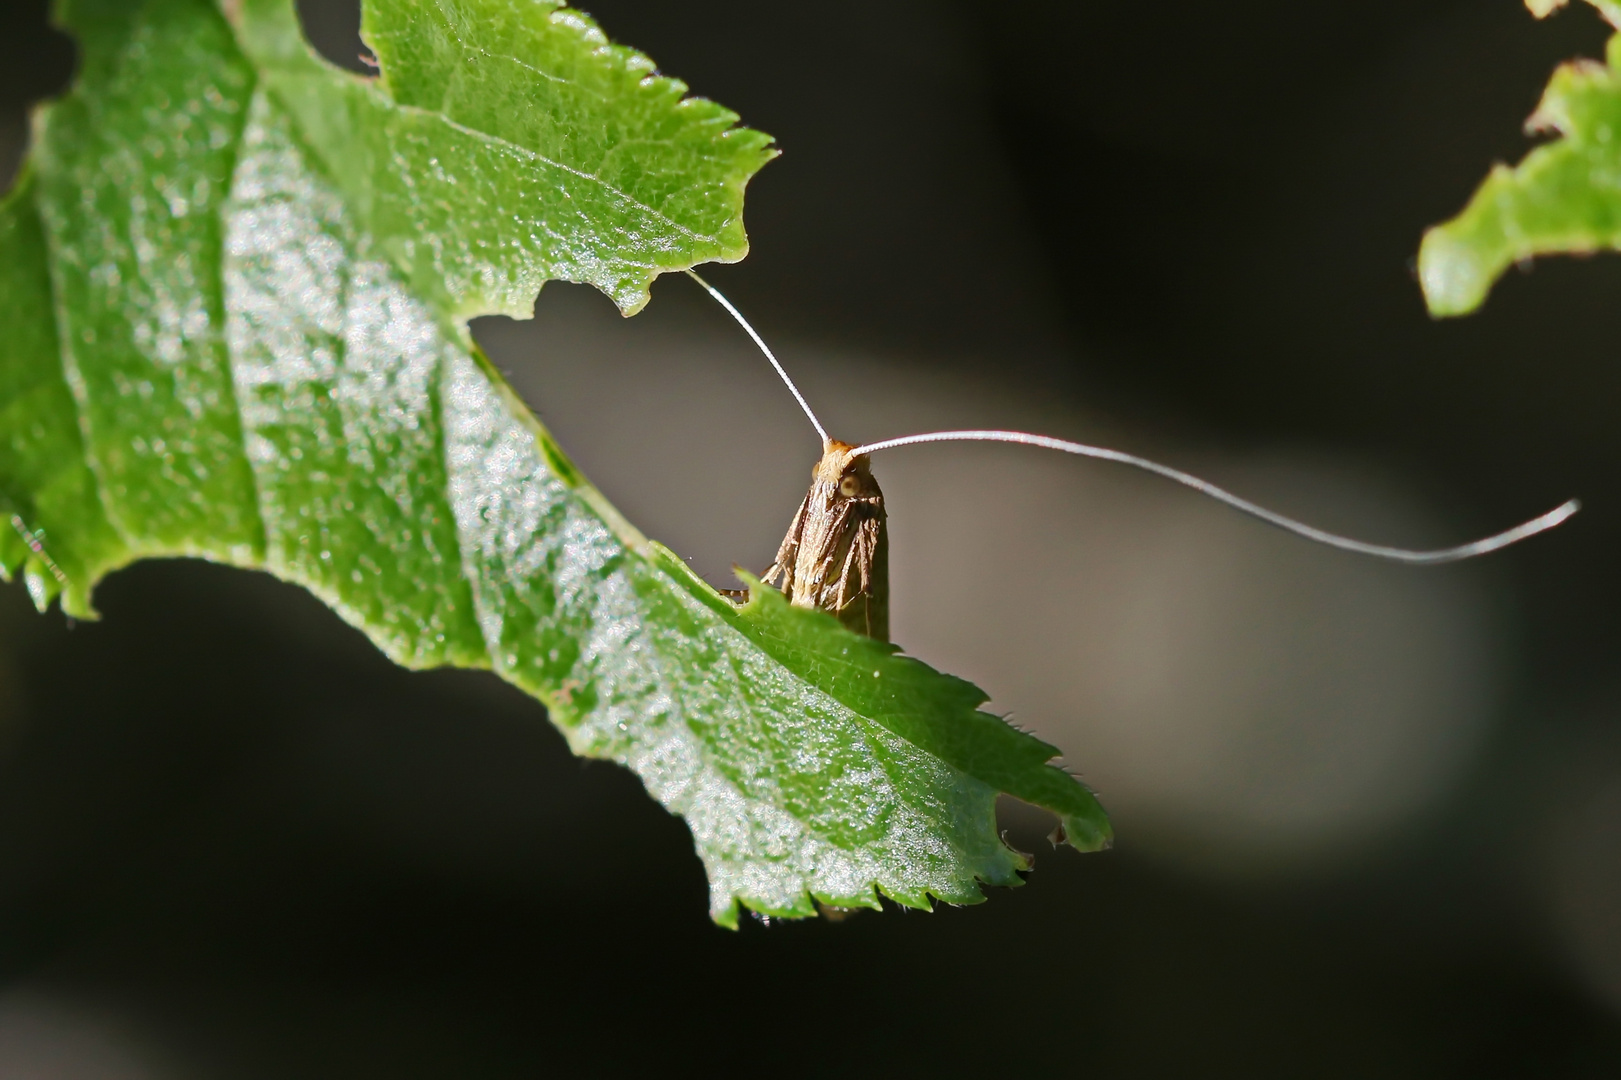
758	340
1444	555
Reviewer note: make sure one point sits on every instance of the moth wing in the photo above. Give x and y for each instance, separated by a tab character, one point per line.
788	551
861	601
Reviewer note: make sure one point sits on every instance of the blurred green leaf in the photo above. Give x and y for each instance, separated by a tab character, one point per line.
236	284
1564	197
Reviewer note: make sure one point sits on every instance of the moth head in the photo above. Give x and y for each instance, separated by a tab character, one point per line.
848	476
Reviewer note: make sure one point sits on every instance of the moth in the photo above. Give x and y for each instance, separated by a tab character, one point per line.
835	556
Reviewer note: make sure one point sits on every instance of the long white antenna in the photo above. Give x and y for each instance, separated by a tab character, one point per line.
769	355
1444	555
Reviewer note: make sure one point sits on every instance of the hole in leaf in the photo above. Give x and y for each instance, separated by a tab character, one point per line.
36	62
333	28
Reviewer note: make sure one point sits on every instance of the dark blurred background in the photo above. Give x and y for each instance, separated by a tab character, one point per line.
1369	817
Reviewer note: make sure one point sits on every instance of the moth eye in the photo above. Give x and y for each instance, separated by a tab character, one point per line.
849	487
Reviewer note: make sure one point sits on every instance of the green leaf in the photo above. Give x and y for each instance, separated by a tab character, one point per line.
1563	197
236	283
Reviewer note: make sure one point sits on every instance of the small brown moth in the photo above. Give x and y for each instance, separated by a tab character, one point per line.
835	557
836	554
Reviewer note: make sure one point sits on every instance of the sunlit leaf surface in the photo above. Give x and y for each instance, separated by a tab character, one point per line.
236	284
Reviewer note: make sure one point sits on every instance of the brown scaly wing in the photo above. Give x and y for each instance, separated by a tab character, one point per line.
841	564
781	572
835	555
861	599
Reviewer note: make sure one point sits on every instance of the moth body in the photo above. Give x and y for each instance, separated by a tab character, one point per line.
835	556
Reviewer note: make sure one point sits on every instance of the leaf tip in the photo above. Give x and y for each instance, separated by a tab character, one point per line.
724	914
1082	834
1453	277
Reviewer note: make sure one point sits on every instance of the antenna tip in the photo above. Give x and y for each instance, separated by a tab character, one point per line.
1561	513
